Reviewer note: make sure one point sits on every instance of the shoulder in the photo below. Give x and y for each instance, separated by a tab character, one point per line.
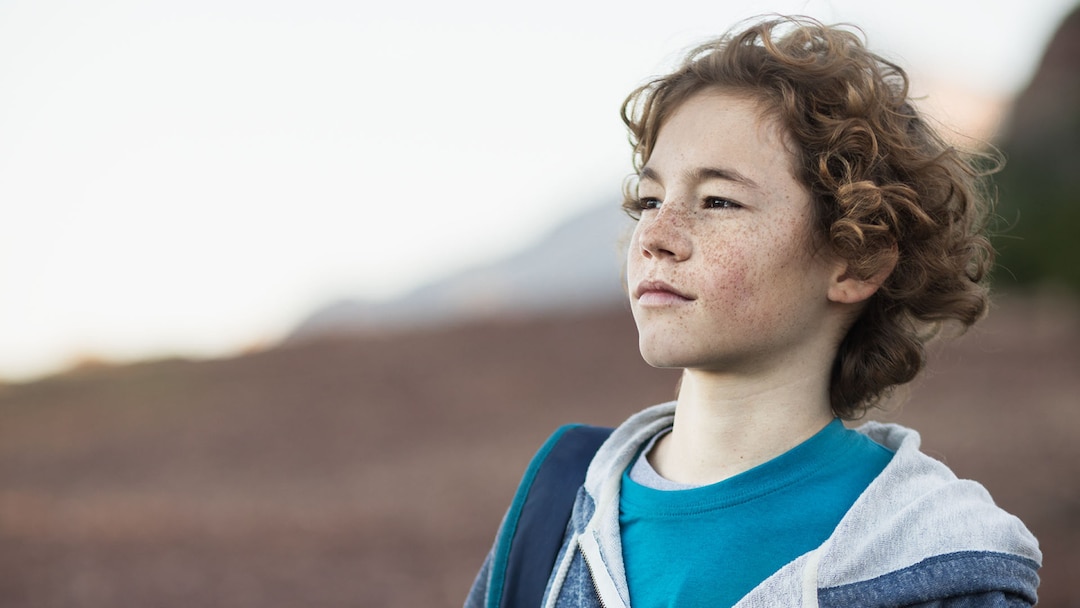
918	521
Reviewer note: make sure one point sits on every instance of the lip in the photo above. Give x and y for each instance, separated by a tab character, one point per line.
659	293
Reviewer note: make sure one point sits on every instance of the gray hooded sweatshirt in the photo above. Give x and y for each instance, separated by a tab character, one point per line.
917	536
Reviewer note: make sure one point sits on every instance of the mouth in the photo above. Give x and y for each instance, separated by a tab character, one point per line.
659	293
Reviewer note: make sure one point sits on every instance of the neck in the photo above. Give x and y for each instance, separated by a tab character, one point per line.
724	426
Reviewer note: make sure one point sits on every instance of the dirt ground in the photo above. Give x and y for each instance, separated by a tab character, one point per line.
373	472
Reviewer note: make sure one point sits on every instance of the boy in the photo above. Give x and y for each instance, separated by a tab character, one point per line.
801	232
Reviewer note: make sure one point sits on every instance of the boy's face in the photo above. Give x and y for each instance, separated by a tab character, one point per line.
721	272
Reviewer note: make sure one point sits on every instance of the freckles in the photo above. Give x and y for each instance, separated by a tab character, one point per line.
729	279
733	260
749	274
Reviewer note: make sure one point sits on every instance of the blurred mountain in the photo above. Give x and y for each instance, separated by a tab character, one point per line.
576	267
1040	185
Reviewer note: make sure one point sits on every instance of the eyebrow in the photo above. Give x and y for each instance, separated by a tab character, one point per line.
702	174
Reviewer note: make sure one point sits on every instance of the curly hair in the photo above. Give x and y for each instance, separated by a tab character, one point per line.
887	190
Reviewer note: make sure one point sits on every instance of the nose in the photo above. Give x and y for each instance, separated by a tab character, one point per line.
664	234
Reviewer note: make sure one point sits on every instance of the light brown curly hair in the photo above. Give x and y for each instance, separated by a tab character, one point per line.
886	188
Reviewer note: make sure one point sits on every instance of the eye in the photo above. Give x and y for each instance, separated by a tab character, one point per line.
717	202
648	203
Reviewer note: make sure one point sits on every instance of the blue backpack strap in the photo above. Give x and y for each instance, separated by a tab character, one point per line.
536	522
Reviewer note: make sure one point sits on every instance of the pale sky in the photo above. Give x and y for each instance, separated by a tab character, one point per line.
194	177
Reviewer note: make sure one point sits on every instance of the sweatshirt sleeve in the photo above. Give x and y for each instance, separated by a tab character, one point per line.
957	580
995	599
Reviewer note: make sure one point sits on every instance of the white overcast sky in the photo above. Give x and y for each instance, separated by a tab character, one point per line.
193	177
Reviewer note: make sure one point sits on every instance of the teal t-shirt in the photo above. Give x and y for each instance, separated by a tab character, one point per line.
709	546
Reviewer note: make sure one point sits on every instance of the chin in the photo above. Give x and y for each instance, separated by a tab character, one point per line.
663	358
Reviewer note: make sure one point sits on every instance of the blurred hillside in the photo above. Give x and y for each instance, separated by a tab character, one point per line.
1040	185
374	471
573	268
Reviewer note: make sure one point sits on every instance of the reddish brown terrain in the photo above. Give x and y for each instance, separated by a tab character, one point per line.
373	471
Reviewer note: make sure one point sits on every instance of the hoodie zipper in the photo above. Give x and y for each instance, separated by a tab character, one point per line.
590	551
596	592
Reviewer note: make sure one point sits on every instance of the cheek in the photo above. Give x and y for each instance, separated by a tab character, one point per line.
754	279
729	277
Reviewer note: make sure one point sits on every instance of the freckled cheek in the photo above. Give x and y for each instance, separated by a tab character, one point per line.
729	290
726	274
743	291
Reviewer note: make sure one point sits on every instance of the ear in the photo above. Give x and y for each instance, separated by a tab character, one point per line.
845	287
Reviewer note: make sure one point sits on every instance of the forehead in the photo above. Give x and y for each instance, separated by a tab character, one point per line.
720	126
